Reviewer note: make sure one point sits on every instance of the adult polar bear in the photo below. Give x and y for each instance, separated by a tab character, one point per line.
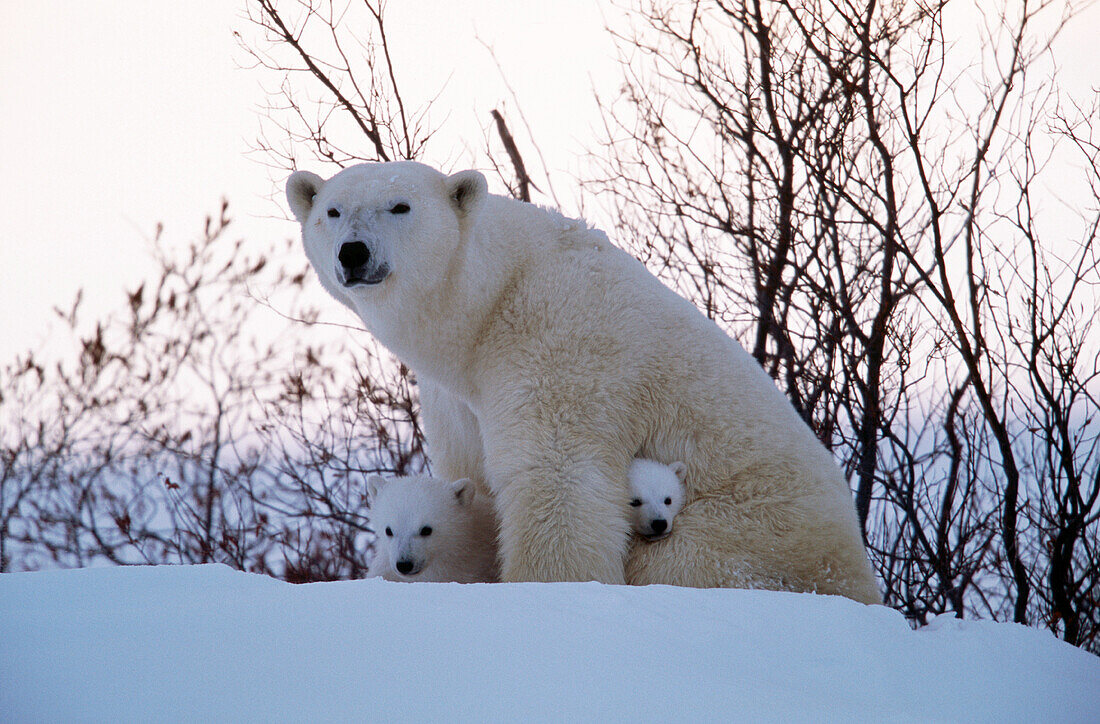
549	359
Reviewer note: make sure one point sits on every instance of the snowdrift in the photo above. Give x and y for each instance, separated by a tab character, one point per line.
206	643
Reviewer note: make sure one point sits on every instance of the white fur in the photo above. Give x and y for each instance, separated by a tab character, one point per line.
430	530
656	496
556	344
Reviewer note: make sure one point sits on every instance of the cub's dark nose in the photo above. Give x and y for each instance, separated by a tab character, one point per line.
659	525
354	254
404	566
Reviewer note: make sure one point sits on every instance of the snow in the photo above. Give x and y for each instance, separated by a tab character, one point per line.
206	643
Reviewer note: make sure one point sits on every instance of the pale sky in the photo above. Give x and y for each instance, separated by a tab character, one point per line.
116	115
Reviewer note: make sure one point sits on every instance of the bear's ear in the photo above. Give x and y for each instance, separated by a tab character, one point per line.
375	483
301	187
680	469
464	490
466	191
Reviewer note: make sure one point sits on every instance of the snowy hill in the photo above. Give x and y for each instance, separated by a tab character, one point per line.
206	643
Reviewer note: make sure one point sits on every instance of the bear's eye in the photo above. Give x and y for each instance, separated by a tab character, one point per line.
426	531
668	501
389	532
635	503
400	209
333	214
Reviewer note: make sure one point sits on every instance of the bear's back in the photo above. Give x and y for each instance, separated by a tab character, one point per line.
605	316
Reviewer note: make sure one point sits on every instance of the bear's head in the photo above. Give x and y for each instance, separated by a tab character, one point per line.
418	521
376	229
657	494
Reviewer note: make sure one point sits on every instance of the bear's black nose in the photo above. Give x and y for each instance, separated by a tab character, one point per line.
404	566
354	254
659	525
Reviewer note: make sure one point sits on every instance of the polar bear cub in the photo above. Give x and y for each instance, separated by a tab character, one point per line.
431	530
657	494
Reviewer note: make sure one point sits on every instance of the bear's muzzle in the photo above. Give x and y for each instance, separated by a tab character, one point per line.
356	266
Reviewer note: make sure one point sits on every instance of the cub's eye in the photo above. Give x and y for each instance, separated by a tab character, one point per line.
333	214
668	501
635	503
400	209
426	531
389	532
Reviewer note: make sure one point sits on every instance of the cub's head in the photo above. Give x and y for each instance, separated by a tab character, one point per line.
417	521
376	226
657	494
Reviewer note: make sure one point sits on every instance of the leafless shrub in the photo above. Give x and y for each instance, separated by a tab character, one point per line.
863	205
187	429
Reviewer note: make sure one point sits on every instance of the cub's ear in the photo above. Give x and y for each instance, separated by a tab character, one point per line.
467	191
375	483
680	469
301	187
464	490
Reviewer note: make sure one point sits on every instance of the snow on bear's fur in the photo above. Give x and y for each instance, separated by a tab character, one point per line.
656	496
431	530
542	352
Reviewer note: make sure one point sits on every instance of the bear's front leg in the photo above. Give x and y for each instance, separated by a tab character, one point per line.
562	509
452	434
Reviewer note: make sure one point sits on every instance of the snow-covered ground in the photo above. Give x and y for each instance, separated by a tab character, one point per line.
206	643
